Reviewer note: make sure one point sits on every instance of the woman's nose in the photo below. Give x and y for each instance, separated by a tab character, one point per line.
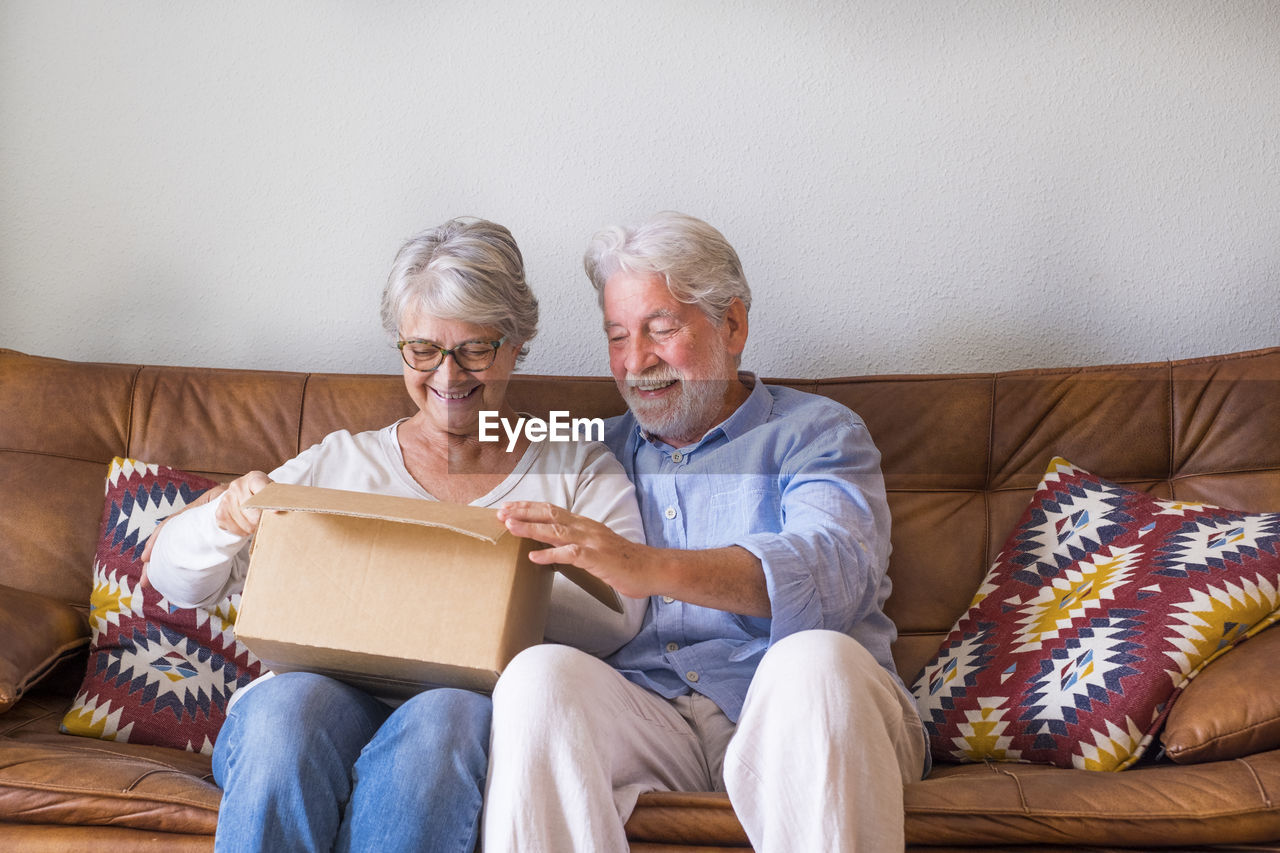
449	371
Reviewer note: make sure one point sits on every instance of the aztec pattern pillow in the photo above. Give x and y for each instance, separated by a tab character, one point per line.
158	674
1103	604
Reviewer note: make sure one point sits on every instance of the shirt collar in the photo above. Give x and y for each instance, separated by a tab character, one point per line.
754	411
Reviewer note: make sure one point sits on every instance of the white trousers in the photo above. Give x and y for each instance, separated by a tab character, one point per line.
817	762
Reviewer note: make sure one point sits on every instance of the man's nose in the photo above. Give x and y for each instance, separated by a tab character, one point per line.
639	355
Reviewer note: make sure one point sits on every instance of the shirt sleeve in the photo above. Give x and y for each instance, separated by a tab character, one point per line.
826	568
603	493
194	562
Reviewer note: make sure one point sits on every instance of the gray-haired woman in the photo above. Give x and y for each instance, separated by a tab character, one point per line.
310	763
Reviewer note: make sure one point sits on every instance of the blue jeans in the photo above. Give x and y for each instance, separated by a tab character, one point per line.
309	763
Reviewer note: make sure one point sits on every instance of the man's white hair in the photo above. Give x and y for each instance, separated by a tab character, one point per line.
696	261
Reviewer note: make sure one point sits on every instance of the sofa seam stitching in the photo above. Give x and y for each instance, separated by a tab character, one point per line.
147	774
133	401
1262	790
1022	797
302	406
991	453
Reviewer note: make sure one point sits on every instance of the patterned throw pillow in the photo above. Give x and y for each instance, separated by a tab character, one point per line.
1103	604
158	674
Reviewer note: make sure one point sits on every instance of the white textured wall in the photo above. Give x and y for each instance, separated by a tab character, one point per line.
913	185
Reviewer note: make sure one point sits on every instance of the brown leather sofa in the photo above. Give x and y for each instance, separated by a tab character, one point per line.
961	455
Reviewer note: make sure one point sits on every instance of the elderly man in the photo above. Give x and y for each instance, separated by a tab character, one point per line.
763	667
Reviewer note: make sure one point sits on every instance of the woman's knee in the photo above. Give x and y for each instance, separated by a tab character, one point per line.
461	714
292	701
287	718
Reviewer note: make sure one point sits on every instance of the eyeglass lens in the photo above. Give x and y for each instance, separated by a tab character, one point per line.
473	355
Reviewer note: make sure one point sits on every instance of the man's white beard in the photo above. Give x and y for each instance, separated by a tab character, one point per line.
693	410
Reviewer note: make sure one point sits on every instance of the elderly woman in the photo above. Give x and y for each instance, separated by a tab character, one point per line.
310	763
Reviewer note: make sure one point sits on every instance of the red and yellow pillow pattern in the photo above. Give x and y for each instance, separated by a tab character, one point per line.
1101	607
157	674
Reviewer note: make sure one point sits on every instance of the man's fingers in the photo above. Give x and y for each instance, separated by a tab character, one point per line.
532	511
545	556
550	534
565	555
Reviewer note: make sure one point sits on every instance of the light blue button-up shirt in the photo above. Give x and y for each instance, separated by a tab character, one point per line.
792	477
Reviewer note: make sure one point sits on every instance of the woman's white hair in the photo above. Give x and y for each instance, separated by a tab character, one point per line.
696	261
466	269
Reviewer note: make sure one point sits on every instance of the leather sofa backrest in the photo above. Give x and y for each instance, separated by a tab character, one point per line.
961	453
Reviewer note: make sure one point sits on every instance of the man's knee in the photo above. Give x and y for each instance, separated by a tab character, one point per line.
825	677
821	655
545	677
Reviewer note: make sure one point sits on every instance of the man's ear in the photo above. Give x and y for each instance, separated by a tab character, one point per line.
735	324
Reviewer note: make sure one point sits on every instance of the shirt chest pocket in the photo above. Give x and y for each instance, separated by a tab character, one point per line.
733	514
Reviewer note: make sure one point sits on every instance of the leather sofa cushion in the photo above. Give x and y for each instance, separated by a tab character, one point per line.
1161	806
36	633
1025	806
1229	710
52	779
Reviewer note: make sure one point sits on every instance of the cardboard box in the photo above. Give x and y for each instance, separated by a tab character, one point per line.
392	594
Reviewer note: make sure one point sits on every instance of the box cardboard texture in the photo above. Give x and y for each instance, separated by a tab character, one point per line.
392	594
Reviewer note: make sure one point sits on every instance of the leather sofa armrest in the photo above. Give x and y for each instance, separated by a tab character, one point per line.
36	634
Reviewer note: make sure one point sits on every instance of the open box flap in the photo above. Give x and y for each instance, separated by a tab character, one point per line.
478	522
475	521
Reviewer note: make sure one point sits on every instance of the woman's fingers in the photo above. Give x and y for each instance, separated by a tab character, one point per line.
231	514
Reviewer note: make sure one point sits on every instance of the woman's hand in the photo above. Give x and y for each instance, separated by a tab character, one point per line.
211	495
231	514
576	540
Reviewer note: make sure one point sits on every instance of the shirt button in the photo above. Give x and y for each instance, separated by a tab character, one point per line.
669	512
677	457
666	599
691	675
671	647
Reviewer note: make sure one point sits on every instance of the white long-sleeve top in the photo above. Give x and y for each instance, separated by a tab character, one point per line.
195	563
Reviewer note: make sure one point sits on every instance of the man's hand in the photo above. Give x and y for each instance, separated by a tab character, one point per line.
729	579
576	540
231	515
